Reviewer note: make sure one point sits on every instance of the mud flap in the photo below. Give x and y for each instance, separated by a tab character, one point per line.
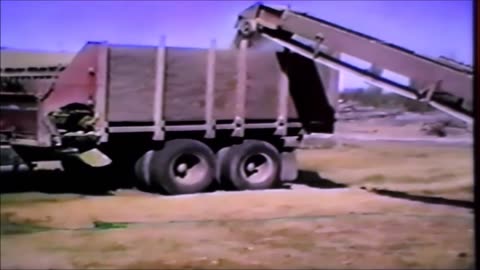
289	167
94	158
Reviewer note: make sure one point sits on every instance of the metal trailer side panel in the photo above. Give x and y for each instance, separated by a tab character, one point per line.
185	84
132	75
263	73
224	84
131	83
328	76
77	82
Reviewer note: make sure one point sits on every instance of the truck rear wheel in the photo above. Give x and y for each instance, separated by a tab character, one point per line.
142	170
183	166
251	165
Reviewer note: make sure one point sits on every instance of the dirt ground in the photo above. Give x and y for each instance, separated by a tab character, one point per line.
323	220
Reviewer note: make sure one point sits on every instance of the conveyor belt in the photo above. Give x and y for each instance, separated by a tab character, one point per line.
445	85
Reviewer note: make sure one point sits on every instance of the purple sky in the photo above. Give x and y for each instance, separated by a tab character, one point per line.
428	27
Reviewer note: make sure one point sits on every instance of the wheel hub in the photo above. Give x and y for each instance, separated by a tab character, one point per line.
189	168
257	167
251	167
182	168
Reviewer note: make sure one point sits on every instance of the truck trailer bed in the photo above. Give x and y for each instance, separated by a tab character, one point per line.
159	89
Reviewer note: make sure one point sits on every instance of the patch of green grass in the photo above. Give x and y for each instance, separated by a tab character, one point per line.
13	200
29	198
101	225
9	227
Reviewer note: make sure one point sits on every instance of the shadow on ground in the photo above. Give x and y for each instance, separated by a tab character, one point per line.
106	181
314	180
98	182
424	199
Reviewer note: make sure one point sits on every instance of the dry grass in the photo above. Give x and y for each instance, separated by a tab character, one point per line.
427	170
221	206
344	228
389	128
353	229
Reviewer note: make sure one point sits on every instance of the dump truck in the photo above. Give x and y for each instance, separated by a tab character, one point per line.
193	117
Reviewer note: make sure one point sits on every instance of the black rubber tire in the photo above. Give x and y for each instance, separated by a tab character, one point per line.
162	171
233	161
142	171
220	157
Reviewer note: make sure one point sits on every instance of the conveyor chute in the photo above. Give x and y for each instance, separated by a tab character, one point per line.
443	84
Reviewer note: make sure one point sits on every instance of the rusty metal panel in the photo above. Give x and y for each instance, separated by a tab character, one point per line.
76	84
185	84
131	83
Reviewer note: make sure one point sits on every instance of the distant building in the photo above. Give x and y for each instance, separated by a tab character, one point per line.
26	64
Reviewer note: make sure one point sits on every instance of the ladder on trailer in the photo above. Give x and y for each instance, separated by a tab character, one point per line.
444	84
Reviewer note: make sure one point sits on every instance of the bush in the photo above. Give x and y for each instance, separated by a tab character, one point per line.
375	97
